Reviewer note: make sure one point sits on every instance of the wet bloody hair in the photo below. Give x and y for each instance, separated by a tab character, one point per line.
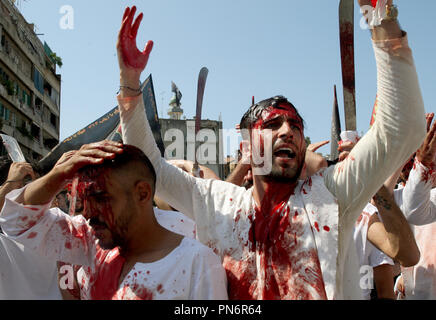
130	155
254	113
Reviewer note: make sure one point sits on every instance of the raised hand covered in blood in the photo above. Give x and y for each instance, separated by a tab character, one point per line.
427	152
129	56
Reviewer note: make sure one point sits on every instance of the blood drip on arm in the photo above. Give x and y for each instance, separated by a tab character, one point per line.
73	195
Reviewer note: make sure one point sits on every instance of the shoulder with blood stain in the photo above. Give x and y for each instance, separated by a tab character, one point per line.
32	235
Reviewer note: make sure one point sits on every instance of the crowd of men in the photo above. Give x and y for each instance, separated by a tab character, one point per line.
361	227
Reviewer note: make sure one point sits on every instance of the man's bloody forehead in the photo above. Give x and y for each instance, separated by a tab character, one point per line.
280	110
92	181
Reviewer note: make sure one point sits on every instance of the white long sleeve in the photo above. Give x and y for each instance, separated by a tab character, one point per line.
49	232
397	133
417	199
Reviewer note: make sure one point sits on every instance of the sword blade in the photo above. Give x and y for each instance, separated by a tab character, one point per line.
336	129
346	35
200	93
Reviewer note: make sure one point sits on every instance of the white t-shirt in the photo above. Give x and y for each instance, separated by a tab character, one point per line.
59	237
176	222
367	253
420	280
25	275
191	271
423	274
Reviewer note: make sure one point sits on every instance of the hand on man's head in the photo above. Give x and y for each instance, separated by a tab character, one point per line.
89	154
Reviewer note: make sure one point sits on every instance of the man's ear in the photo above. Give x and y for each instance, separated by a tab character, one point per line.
144	191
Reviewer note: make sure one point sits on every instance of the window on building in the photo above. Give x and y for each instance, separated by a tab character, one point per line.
3	75
13	119
7	114
34	131
38	80
53	120
17	89
47	88
38	104
55	97
2	110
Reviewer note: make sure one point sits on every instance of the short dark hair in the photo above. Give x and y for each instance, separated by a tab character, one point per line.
253	113
129	155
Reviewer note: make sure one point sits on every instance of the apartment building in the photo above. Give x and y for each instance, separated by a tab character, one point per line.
29	85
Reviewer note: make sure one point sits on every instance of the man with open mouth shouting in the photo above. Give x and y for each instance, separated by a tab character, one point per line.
284	238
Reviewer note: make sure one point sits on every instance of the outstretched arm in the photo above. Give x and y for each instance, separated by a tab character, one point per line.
172	184
27	219
131	61
397	132
393	235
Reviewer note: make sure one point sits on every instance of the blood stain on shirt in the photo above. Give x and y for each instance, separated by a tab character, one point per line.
274	264
31	208
160	289
32	235
109	264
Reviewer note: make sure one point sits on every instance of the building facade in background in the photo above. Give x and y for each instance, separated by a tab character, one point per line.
29	86
176	129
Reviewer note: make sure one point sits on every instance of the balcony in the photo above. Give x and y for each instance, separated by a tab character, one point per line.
29	142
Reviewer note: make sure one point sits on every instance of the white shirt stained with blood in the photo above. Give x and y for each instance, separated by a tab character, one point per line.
328	203
190	271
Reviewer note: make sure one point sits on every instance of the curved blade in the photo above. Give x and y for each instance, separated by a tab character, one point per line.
346	34
200	93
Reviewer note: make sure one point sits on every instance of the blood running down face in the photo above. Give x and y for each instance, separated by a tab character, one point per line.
108	192
277	139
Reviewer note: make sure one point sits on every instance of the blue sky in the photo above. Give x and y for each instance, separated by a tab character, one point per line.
260	48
